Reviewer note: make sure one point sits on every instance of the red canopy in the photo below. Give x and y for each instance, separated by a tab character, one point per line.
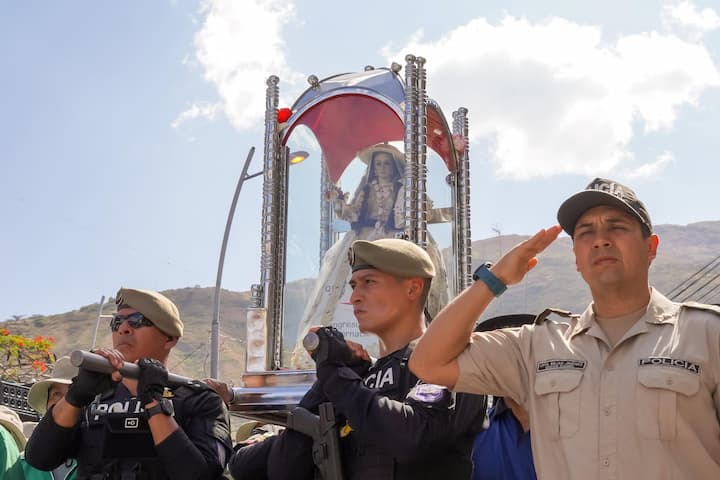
347	124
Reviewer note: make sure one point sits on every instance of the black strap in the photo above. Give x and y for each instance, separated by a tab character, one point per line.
546	313
405	371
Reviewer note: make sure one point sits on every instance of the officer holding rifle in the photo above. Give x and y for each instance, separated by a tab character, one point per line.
391	426
122	428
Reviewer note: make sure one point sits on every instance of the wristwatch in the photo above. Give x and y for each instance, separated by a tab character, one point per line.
496	286
164	406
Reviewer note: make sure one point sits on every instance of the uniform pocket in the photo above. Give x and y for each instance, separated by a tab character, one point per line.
560	396
657	392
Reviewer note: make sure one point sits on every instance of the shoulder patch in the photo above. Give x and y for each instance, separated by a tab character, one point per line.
546	313
701	306
428	393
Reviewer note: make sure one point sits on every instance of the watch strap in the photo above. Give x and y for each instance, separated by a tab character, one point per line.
494	284
164	406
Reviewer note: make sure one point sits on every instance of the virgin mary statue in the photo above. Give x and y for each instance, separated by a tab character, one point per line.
376	210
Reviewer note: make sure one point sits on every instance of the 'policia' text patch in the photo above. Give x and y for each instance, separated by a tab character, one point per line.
670	362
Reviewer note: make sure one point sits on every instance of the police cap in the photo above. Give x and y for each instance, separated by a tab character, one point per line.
395	256
602	191
156	307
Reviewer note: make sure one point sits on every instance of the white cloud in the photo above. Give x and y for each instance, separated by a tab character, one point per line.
553	97
686	15
197	110
550	98
238	47
651	169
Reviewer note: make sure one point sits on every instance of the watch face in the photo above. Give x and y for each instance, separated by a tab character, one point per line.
167	406
482	266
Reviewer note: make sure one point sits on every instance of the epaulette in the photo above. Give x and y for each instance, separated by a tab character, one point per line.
505	321
702	306
546	313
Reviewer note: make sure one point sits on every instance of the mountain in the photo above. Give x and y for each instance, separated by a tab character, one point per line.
683	250
554	282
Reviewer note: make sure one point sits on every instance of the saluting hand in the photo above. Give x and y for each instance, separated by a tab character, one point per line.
518	261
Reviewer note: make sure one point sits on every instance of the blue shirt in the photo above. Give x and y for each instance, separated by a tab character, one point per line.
503	451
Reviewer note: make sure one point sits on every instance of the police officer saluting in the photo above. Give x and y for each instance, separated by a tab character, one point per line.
394	427
119	428
629	389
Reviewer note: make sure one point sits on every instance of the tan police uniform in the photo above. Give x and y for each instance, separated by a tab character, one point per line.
645	409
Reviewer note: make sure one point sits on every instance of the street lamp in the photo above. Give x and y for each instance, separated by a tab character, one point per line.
297	157
100	317
293	159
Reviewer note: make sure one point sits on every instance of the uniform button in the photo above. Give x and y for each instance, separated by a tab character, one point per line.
669	381
608	411
605	462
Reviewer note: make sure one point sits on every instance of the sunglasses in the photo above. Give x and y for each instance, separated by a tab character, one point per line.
135	320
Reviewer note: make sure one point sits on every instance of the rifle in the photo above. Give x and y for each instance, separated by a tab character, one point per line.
326	438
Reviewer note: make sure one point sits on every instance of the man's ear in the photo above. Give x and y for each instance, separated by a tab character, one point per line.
170	342
415	287
577	269
653	242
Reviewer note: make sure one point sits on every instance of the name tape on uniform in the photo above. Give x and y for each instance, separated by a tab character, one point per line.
571	364
670	362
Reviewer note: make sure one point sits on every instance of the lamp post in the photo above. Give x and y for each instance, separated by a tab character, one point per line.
215	327
294	158
97	322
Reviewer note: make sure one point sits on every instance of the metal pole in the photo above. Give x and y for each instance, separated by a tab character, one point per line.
97	322
215	330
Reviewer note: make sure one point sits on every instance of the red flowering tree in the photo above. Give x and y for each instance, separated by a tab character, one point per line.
22	359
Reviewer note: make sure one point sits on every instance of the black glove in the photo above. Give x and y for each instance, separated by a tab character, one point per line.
152	380
86	386
359	365
313	398
334	352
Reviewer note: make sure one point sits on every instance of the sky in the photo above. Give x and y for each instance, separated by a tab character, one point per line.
125	125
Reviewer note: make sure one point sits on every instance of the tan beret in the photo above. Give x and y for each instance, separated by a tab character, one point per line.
156	307
395	256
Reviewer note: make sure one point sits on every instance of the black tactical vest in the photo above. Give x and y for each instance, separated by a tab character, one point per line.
363	460
116	439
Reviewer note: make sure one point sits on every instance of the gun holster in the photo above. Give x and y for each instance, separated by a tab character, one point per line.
323	430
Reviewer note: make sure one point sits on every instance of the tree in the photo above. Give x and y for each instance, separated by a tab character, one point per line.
24	360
